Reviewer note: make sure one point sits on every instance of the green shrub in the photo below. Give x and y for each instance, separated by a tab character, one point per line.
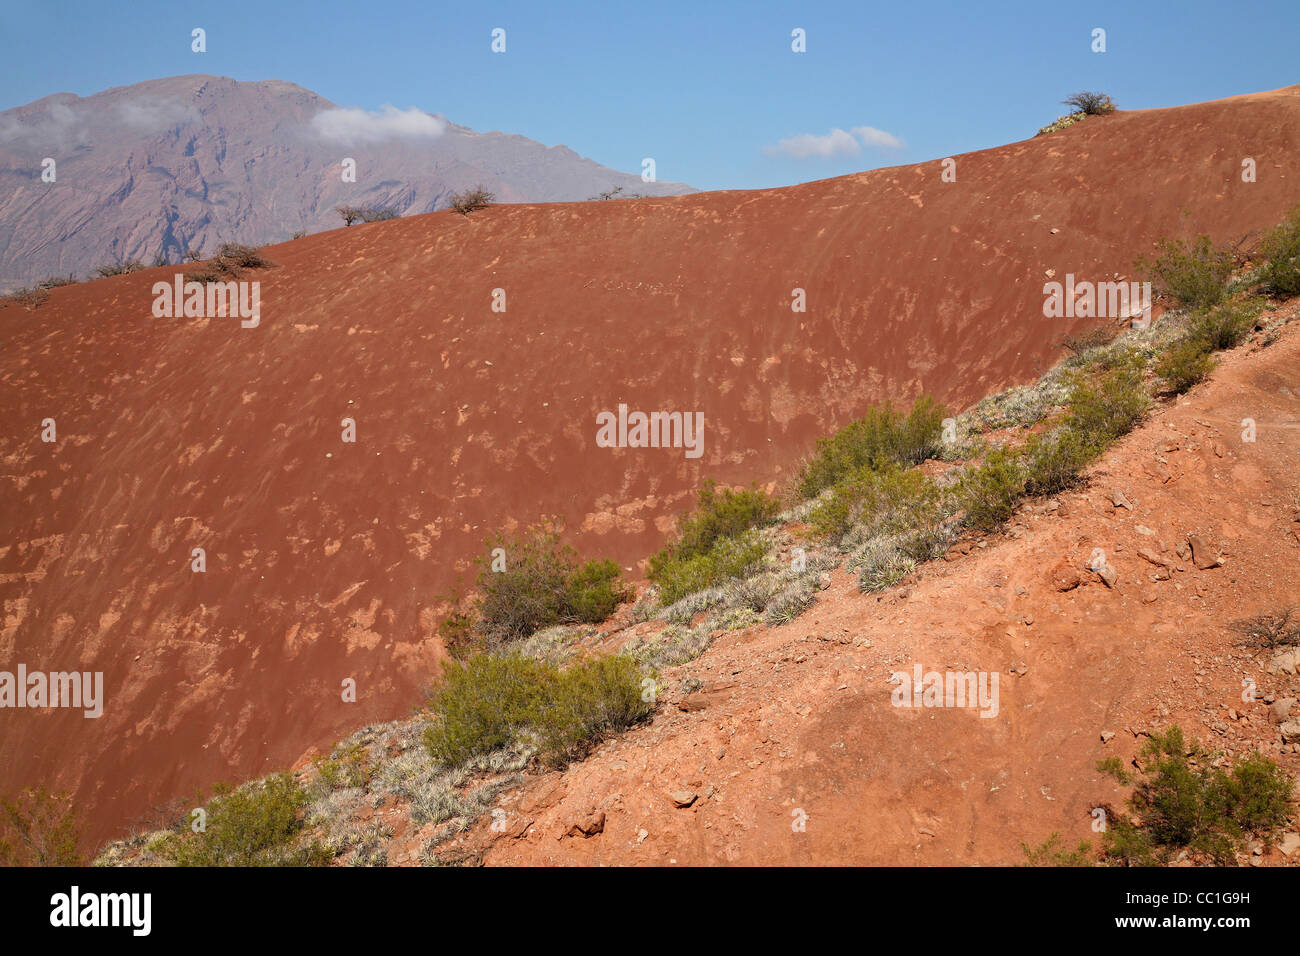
1282	249
732	557
1185	364
255	825
542	585
39	828
989	493
1052	462
1181	802
344	768
1224	326
1110	406
1194	273
595	590
1051	852
715	542
489	702
882	437
878	501
717	516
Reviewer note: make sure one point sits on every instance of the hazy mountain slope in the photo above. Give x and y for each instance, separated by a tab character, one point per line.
192	161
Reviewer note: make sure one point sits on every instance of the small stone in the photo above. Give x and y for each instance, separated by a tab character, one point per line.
1204	555
1109	575
1146	554
683	798
1289	843
1107	736
1280	709
1119	500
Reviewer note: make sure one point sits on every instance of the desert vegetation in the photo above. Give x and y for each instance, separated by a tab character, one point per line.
471	200
119	268
39	828
229	263
1182	804
529	581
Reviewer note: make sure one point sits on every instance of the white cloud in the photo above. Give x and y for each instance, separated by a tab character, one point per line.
355	125
835	143
59	127
153	115
806	145
877	137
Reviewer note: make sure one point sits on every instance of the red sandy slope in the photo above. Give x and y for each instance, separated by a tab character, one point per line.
325	558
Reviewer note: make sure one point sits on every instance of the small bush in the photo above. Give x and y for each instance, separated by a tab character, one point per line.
1051	852
53	282
878	501
298	234
39	828
120	268
731	557
1277	628
1090	104
1181	802
471	200
30	299
255	825
989	494
489	702
1194	273
718	515
1185	364
1052	462
346	767
234	256
542	585
1224	326
378	213
349	214
882	437
1282	249
1110	406
229	263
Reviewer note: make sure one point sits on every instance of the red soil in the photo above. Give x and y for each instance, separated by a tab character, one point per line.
799	718
324	559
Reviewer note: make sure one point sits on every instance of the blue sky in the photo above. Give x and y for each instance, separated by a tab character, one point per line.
709	90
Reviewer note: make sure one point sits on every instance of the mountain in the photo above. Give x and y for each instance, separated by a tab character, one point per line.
160	167
325	560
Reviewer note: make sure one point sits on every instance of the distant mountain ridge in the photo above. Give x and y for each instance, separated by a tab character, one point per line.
159	167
